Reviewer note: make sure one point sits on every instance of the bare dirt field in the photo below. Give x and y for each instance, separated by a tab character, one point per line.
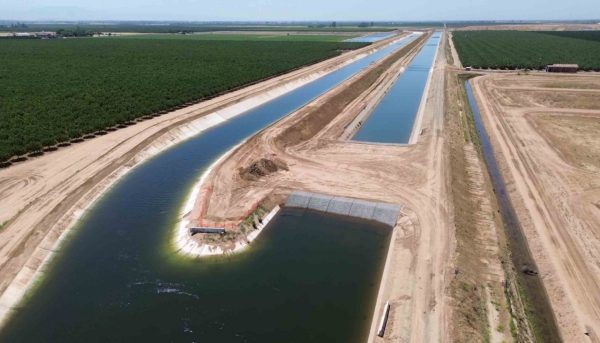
544	129
43	197
317	160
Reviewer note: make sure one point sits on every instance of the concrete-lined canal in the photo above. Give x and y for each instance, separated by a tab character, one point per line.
310	277
393	118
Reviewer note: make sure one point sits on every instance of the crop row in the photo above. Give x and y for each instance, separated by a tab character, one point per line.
56	90
526	50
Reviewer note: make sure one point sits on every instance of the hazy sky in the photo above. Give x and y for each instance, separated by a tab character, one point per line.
201	10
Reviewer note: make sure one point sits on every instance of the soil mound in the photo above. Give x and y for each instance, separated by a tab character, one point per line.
261	168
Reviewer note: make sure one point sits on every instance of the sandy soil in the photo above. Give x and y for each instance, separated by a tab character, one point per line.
455	57
319	161
546	135
43	197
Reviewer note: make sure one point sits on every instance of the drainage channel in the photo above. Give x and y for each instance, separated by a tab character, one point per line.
537	304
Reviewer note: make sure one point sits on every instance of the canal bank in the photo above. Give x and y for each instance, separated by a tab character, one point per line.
530	288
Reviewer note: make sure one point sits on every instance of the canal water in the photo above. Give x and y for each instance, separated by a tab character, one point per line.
537	304
393	118
310	277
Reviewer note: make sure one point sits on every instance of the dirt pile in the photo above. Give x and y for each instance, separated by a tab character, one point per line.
261	168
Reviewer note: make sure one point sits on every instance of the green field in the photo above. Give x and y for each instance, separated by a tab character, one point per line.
526	49
247	37
56	90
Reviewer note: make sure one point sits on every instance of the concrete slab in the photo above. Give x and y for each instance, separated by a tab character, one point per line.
381	212
386	213
298	199
362	209
339	205
319	202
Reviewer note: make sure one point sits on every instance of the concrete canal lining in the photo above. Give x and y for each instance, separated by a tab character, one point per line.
378	211
394	116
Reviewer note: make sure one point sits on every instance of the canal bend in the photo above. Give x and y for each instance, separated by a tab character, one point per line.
116	277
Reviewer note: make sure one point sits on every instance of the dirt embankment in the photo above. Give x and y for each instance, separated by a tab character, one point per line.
544	135
217	206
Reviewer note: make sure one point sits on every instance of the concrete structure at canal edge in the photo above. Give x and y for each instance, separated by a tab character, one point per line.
378	211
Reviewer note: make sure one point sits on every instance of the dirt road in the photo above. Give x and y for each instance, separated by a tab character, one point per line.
544	128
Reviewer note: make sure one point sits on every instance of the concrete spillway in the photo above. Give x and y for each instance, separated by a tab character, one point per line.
378	211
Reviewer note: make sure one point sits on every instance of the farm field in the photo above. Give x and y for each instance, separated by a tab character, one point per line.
275	36
526	49
56	90
587	35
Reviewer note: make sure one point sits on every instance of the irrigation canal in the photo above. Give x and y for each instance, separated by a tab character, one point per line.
393	118
537	304
310	277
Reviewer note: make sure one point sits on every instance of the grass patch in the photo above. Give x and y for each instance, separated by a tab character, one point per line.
246	224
